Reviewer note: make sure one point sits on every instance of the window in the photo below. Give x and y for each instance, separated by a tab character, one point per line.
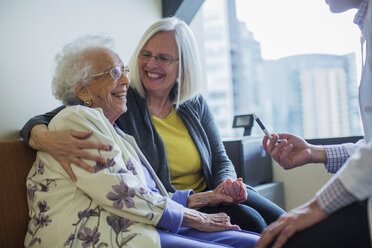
292	62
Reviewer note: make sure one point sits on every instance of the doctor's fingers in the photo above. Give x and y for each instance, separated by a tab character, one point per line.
278	149
272	143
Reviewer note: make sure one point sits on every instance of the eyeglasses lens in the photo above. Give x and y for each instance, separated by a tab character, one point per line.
116	72
161	59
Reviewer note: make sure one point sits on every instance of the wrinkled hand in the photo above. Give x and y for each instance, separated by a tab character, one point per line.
236	189
288	224
209	198
67	147
293	151
207	222
228	192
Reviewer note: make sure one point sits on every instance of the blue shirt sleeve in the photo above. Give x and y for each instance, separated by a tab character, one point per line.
173	214
150	181
172	217
181	196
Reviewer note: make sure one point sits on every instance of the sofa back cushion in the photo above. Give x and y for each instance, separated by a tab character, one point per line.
15	162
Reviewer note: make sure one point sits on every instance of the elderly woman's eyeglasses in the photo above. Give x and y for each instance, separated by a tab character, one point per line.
162	59
115	72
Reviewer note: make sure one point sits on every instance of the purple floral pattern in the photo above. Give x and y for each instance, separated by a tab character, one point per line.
43	188
86	213
31	189
43	206
89	223
122	170
89	236
119	224
131	167
110	162
70	239
40	167
41	220
123	195
143	190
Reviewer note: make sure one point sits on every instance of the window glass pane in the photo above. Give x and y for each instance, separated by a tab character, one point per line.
292	62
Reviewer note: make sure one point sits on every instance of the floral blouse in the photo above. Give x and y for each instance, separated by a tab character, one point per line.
112	207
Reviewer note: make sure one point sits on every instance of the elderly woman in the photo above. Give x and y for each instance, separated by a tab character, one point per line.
172	125
123	203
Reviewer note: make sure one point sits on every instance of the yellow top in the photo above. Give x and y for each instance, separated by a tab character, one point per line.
183	157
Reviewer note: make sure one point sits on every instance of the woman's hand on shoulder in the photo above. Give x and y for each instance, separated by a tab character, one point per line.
67	147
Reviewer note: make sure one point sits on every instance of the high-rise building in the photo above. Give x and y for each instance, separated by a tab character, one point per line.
218	64
312	95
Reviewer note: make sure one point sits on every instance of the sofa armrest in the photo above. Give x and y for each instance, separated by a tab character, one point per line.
15	162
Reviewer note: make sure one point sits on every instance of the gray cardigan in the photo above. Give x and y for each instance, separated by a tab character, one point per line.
137	122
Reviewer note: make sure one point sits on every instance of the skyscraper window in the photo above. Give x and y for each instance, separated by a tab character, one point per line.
291	62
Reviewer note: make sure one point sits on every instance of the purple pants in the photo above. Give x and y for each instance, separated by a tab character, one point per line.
188	237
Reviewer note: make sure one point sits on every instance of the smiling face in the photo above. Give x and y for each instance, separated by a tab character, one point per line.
159	78
104	91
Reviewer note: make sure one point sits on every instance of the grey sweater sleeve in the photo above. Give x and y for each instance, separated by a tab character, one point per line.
222	167
198	119
39	119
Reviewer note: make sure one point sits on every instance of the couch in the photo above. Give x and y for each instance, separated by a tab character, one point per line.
15	162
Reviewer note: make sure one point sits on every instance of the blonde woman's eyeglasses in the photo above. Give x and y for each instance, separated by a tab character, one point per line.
162	59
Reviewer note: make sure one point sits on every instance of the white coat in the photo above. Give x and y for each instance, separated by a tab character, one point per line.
356	174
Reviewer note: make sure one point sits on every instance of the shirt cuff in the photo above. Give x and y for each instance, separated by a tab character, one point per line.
334	196
181	196
172	216
336	157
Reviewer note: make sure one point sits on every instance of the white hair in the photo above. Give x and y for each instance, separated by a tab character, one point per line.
189	69
72	69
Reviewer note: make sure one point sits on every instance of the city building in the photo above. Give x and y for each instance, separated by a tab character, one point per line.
312	95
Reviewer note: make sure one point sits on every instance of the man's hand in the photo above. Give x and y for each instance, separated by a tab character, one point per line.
293	151
67	147
288	224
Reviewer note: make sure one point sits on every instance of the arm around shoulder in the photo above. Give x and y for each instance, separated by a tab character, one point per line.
37	120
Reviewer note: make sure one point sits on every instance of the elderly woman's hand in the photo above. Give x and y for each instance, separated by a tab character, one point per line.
209	198
207	222
228	192
236	189
67	147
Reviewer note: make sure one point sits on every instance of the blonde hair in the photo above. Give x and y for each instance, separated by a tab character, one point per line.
189	68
